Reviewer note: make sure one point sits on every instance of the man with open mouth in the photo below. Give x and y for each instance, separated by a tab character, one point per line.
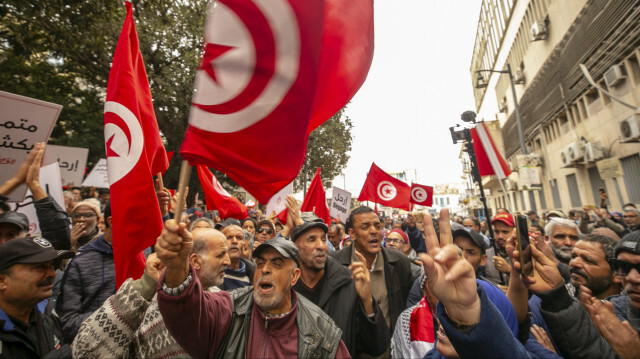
267	319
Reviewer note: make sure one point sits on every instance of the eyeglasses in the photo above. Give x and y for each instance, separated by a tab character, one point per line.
623	268
82	215
395	240
265	229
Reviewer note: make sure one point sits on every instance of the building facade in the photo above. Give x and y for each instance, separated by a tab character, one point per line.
579	138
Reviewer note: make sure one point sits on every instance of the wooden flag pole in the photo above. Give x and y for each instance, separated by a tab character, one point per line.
185	176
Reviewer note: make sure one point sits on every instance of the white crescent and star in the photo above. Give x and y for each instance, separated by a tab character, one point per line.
386	191
246	71
124	140
419	194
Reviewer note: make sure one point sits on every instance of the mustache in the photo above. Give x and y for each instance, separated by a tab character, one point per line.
577	271
46	282
234	246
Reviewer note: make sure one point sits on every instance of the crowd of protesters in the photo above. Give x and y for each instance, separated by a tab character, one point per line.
411	286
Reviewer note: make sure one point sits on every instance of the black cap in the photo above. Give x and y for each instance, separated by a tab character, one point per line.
15	218
284	246
267	222
475	237
310	221
628	243
227	222
29	250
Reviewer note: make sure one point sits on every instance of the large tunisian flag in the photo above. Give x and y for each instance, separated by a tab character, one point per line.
218	198
490	162
134	152
316	199
272	72
385	189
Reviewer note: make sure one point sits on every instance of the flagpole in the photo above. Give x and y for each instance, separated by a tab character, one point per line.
506	195
185	175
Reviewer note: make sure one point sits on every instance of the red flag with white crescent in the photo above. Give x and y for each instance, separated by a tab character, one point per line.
382	188
490	162
316	199
216	197
421	195
272	71
134	153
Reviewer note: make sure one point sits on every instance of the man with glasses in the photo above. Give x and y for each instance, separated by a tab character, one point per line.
631	218
266	230
84	220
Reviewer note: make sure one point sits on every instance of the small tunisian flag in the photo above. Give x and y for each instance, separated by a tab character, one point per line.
218	198
421	194
490	162
385	189
134	152
316	200
271	73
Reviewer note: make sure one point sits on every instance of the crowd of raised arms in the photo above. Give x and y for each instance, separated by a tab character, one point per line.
411	286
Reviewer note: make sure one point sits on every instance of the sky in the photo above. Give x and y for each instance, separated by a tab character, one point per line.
418	86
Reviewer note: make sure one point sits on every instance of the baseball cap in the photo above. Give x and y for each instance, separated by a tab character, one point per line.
15	218
628	243
266	221
227	222
475	237
310	221
284	246
505	218
29	250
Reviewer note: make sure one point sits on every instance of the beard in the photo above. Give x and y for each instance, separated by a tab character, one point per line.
563	253
270	301
597	285
316	265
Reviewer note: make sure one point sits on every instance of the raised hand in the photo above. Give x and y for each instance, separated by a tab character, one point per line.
545	273
154	266
450	278
362	281
173	248
33	174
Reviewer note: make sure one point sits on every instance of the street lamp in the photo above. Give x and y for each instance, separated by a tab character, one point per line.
482	83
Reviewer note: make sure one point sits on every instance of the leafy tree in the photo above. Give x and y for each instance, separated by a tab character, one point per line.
328	147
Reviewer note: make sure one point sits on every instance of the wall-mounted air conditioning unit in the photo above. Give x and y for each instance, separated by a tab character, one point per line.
502	106
593	151
565	158
630	129
510	185
518	76
575	151
614	75
539	30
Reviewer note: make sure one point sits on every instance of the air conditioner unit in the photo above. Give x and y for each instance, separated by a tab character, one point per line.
502	106
510	185
539	30
565	158
593	151
614	75
518	76
576	151
630	129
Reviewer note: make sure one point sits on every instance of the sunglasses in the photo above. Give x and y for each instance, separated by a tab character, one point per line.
82	215
265	229
623	268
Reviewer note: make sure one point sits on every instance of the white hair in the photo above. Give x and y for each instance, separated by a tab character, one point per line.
562	222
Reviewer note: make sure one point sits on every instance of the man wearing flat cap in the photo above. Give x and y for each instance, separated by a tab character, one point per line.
267	319
28	327
343	293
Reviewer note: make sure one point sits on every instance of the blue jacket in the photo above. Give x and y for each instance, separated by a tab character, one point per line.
89	280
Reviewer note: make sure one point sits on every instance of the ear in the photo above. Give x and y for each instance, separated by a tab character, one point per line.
3	281
483	260
616	278
195	261
295	276
109	220
350	232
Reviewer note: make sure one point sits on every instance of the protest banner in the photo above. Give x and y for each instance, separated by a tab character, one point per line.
71	160
98	177
50	181
278	202
340	204
25	121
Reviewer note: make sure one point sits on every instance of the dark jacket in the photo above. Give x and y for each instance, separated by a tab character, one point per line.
54	222
250	269
341	302
88	281
397	274
416	239
15	344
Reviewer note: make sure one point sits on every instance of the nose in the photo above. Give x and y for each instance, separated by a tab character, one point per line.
226	260
51	272
567	241
633	276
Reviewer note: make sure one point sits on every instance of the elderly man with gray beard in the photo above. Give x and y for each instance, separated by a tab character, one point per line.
267	319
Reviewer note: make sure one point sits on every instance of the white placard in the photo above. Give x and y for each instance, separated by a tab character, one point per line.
72	162
98	177
279	200
340	204
24	121
50	181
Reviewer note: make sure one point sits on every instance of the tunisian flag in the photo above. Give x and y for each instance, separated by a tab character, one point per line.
271	73
134	152
490	162
316	200
421	194
385	189
218	198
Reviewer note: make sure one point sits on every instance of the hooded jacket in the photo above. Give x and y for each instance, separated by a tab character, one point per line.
89	280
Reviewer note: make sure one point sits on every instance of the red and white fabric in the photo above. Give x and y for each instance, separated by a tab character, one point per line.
382	188
489	160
